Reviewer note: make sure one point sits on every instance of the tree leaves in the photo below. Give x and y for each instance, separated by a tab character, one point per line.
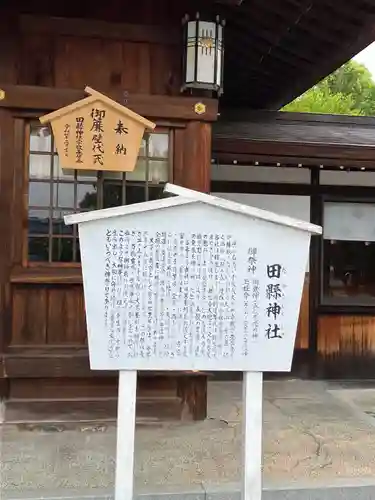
350	90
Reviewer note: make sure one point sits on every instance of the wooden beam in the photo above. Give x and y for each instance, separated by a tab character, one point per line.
42	275
60	26
294	12
274	117
248	160
250	187
62	363
267	24
288	42
34	364
314	151
343	11
309	30
44	99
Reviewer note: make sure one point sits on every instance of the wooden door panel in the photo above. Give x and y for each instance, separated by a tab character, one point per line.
66	316
29	316
43	315
346	346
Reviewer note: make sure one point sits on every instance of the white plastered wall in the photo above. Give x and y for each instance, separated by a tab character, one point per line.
293	206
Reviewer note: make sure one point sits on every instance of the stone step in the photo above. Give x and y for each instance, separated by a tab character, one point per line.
150	409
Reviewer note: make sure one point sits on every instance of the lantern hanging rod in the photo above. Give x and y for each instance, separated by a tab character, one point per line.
235	3
198	17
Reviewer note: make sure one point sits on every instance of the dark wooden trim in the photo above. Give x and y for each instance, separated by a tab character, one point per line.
291	161
314	270
353	196
288	152
178	155
7	144
69	364
261	188
343	193
46	275
251	115
32	115
19	206
151	106
61	26
345	310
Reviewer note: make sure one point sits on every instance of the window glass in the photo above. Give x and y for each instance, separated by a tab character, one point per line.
54	192
349	254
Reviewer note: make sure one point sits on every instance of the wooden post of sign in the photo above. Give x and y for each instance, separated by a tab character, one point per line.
127	392
252	401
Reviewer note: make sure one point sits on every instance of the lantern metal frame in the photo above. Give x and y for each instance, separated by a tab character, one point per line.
213	43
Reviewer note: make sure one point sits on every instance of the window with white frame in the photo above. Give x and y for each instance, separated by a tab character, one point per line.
348	253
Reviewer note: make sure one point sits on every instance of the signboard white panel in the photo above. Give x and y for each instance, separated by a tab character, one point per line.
193	282
192	287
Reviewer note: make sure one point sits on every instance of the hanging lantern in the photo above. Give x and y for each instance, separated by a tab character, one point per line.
203	64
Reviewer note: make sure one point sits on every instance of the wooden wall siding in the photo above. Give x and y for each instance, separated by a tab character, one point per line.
8	53
146	12
48	316
105	64
346	346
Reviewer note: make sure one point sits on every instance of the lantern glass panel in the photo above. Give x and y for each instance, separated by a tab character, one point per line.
204	55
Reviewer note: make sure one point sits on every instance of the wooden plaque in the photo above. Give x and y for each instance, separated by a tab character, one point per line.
97	133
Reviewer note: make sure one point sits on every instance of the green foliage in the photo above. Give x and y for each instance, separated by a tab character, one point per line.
350	90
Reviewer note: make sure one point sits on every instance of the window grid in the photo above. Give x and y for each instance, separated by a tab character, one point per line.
50	240
348	255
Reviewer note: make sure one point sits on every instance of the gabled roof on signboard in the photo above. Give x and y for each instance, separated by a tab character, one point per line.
188	196
94	96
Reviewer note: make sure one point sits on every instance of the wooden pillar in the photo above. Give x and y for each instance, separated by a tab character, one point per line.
315	270
6	194
192	169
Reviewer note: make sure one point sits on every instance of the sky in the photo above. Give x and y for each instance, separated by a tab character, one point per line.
367	57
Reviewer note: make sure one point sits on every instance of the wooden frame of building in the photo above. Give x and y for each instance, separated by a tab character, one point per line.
132	52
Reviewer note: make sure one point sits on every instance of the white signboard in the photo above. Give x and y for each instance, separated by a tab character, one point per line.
191	282
192	287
